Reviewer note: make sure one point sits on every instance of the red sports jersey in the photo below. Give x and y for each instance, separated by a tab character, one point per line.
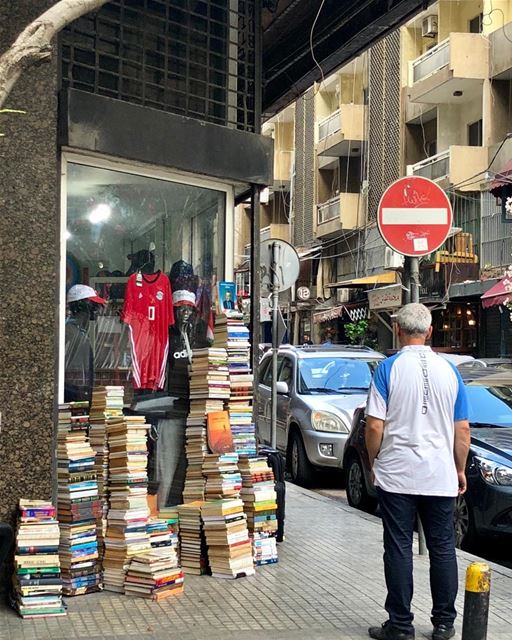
148	312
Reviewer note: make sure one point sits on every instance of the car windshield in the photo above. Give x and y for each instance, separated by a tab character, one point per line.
334	374
490	406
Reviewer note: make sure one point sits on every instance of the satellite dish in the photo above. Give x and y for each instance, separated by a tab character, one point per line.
287	264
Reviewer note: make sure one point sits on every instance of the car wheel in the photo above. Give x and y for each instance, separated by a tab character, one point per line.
465	534
357	493
301	469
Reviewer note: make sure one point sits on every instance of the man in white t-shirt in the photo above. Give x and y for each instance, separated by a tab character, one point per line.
417	436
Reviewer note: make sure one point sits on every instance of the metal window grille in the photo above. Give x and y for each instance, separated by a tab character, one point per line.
191	57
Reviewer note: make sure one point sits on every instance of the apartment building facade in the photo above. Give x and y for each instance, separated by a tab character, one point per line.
433	99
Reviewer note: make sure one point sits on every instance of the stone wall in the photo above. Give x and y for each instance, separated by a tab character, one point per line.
29	255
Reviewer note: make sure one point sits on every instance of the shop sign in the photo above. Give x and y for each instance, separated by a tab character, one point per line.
385	297
303	293
330	314
265	310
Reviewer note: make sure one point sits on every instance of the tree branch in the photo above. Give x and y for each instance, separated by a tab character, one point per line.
34	44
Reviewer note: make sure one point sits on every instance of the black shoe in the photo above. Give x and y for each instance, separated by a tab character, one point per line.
389	632
443	632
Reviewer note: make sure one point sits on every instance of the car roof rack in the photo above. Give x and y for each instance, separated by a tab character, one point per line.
328	347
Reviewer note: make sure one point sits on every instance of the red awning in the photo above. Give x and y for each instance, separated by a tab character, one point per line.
502	178
496	295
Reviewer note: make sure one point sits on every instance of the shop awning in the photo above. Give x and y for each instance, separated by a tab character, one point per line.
329	314
502	178
495	296
389	277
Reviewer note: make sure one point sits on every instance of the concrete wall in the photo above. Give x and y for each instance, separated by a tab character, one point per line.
453	121
455	16
29	246
497	13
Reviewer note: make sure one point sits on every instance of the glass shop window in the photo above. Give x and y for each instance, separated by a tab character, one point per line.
142	259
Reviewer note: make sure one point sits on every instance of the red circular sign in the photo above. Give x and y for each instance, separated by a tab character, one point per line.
415	216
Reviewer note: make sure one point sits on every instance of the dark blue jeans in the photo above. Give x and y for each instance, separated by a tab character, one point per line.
399	514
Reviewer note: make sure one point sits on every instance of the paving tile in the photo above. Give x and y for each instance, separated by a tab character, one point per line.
328	585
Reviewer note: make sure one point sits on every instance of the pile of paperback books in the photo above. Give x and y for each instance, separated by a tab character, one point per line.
154	575
260	506
229	546
193	552
37	581
128	514
78	504
223	479
107	402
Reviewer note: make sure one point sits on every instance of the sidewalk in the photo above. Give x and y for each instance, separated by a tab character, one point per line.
327	585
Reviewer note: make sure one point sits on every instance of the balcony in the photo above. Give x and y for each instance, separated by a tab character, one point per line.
453	166
340	213
343	132
451	72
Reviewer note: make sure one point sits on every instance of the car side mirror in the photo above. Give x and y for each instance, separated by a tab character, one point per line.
282	388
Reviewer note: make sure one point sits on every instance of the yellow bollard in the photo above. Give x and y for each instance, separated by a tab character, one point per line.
476	601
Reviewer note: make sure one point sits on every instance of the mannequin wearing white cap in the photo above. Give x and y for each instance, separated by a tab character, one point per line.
83	304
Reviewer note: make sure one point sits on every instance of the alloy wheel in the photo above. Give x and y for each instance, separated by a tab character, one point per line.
295	459
355	480
461	520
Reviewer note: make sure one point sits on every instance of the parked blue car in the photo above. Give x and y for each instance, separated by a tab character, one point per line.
486	508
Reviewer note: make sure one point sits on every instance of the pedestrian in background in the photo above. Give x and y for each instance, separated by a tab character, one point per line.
417	436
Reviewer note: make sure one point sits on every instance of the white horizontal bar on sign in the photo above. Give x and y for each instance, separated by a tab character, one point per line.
406	215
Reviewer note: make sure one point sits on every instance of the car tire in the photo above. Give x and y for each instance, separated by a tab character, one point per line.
465	533
357	493
301	469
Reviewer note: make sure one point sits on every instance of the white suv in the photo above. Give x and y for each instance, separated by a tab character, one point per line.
319	389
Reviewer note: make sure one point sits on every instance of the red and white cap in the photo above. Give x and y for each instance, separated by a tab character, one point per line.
84	292
184	297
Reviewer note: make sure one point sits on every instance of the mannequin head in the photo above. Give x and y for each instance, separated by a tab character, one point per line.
183	315
84	303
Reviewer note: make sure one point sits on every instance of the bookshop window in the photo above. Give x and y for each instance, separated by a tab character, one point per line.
152	250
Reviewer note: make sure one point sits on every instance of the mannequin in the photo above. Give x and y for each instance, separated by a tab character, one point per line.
84	303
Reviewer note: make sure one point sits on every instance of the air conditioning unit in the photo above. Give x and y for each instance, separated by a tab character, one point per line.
342	295
392	259
429	27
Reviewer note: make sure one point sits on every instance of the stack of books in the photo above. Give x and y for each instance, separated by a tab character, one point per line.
128	514
78	504
209	388
260	506
209	375
37	579
264	548
159	534
154	575
234	336
193	552
170	516
223	479
230	553
242	427
107	402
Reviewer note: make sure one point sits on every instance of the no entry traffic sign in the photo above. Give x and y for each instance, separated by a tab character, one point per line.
415	216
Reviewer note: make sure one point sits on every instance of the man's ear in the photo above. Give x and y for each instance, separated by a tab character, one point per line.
429	333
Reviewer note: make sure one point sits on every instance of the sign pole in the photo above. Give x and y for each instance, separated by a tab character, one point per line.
415	279
275	343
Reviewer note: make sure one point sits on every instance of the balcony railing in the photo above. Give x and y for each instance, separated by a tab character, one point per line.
329	125
434	167
329	210
431	61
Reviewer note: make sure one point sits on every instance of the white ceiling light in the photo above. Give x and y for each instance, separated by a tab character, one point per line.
100	213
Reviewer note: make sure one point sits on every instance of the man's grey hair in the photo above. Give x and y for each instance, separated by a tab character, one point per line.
414	319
